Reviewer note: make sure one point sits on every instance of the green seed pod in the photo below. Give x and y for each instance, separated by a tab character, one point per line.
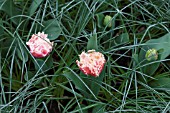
151	55
108	21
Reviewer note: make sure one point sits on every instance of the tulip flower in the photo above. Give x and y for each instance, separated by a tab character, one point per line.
40	46
151	55
108	21
91	63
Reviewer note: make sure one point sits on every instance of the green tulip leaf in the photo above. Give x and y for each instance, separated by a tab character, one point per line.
1	27
9	8
78	82
92	42
52	28
43	64
96	82
162	82
122	39
35	4
162	45
100	19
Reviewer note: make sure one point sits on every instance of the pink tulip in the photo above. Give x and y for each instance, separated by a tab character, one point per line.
91	63
40	46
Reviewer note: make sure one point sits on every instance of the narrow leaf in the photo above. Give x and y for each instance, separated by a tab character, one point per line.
9	7
35	4
52	28
92	42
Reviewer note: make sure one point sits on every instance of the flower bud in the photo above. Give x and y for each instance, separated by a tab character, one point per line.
108	21
151	55
40	46
91	63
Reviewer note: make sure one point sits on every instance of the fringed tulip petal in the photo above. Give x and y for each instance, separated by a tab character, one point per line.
91	63
40	46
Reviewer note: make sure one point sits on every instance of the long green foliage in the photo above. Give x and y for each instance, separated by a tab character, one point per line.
54	84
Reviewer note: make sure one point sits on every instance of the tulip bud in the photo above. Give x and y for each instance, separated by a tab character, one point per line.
40	46
151	55
91	63
108	21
